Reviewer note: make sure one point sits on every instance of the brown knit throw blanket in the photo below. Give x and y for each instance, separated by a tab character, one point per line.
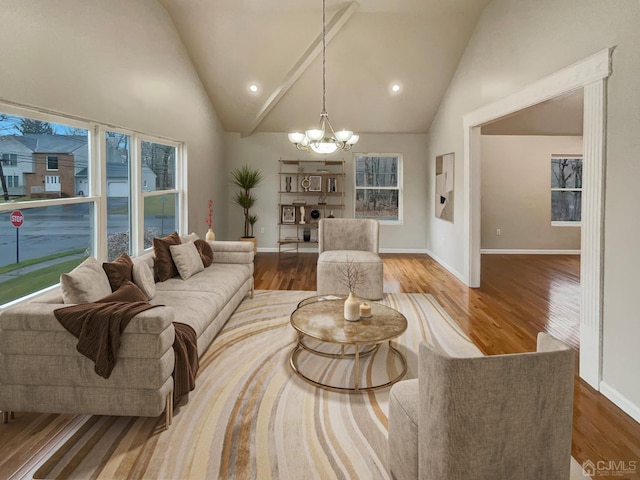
187	365
99	326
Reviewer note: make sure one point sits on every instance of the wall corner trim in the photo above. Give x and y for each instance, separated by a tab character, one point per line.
515	251
620	400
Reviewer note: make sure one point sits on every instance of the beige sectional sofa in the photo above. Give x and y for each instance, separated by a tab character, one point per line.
41	370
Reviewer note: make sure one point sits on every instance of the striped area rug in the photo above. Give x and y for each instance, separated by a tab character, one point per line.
250	417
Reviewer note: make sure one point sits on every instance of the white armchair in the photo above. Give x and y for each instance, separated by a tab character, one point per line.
344	240
484	418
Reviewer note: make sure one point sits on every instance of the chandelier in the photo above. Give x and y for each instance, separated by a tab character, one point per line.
324	139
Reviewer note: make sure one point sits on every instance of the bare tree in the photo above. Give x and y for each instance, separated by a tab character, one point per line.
567	175
28	125
5	191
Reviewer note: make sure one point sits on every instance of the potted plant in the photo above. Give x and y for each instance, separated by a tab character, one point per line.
252	221
246	178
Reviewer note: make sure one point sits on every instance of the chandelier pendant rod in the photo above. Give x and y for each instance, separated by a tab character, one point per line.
324	140
324	57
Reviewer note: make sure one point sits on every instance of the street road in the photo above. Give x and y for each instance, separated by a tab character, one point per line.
48	230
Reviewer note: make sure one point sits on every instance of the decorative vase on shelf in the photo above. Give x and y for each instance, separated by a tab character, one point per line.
210	237
352	308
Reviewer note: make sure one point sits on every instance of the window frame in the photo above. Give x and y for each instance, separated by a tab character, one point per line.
399	188
563	223
97	181
57	159
9	159
180	180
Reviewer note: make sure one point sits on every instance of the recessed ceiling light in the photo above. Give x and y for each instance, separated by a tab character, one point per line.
395	87
253	88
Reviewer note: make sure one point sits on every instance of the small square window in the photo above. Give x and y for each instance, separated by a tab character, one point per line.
10	159
566	190
52	162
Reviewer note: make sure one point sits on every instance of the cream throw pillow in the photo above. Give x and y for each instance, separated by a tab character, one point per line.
86	283
192	237
187	259
143	278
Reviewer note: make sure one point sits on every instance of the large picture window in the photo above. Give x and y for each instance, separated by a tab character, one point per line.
161	199
118	158
378	187
76	184
566	190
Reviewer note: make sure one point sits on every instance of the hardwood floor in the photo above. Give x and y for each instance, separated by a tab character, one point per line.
520	296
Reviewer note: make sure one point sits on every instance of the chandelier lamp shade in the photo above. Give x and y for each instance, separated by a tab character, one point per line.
324	139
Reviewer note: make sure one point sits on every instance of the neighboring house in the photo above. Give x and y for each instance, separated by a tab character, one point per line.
17	160
118	180
53	176
41	165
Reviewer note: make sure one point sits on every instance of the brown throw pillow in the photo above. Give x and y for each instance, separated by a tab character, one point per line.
164	266
119	270
128	292
205	251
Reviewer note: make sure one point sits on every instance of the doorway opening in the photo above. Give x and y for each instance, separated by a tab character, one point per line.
590	75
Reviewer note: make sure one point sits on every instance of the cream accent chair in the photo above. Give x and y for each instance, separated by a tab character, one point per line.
494	417
342	240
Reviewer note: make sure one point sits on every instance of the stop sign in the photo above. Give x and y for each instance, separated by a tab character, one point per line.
17	218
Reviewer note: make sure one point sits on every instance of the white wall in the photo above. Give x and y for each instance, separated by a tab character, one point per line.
515	43
263	150
117	62
516	195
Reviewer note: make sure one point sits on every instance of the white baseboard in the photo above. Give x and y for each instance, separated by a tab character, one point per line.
301	249
620	400
510	251
420	251
448	267
268	249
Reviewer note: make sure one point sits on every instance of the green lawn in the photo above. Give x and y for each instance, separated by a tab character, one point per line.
33	261
153	206
37	280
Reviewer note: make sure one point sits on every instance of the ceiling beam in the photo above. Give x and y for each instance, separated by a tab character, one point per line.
315	49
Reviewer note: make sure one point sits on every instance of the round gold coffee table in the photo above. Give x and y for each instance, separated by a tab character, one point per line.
322	318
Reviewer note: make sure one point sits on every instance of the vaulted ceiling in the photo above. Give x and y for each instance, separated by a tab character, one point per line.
275	44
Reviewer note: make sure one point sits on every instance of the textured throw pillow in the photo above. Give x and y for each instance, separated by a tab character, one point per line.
119	270
128	292
165	268
143	278
187	259
205	251
192	237
86	283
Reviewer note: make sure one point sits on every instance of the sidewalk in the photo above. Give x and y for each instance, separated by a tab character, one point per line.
35	267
